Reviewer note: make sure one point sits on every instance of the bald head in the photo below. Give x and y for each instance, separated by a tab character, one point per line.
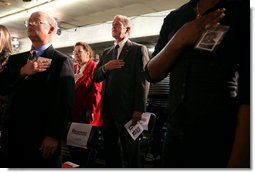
41	28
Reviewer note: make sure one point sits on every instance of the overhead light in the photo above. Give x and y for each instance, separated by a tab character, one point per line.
15	42
59	31
50	5
151	49
13	16
20	14
45	5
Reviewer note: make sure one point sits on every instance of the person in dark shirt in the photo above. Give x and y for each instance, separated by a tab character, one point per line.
209	98
5	46
5	52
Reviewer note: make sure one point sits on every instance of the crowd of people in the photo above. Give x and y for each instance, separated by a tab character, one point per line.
202	95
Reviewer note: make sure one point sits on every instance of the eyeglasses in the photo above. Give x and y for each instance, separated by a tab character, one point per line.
34	22
78	51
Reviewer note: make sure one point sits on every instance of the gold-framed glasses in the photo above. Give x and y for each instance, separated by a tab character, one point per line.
34	22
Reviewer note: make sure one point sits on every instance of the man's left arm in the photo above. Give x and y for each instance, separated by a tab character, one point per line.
142	86
61	106
63	98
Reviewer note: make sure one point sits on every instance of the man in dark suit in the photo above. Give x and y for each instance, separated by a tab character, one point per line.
41	94
124	94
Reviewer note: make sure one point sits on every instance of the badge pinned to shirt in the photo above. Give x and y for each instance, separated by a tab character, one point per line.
212	38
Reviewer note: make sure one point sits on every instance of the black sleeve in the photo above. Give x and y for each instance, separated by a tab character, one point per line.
243	37
62	93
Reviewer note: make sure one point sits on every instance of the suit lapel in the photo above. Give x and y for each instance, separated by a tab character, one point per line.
123	53
49	52
108	55
125	49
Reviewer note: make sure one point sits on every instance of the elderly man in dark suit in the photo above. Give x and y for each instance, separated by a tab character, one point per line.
41	91
124	94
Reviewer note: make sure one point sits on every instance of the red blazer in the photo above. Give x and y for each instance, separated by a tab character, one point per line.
87	96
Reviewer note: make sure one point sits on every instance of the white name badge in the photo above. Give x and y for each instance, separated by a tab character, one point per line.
212	38
78	135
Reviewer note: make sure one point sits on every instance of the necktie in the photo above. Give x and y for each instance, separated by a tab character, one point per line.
115	52
114	56
32	55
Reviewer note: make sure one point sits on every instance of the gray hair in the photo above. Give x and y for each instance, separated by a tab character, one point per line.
125	20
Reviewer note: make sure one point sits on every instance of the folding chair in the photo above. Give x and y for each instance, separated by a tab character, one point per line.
146	137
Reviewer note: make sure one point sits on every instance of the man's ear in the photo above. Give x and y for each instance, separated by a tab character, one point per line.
128	29
52	29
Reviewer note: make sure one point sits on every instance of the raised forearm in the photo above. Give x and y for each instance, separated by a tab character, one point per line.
158	67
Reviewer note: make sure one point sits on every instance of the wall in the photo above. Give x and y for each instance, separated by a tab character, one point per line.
143	26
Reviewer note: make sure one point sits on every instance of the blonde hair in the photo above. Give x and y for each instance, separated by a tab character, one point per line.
5	40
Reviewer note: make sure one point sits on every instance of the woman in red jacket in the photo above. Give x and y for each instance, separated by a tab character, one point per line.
86	108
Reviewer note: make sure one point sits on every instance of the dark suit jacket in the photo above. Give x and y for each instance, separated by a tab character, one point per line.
128	87
38	106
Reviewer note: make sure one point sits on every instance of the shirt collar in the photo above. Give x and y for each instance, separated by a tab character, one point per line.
122	43
82	68
40	50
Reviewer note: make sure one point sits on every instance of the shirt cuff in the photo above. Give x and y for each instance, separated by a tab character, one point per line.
103	69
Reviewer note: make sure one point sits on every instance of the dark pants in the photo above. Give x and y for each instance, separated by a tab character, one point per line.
196	147
120	149
25	157
158	133
86	158
200	132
